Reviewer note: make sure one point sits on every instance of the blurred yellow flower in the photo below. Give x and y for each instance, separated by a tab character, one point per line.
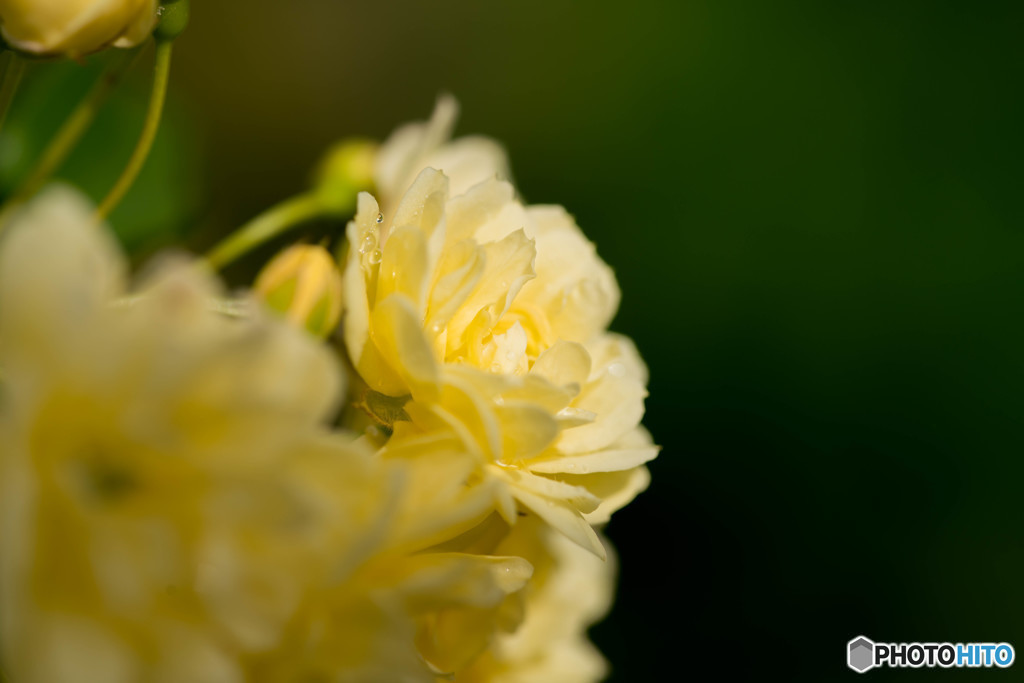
374	616
142	502
171	507
75	27
570	591
491	317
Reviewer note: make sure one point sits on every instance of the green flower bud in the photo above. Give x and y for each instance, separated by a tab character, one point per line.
344	171
303	283
173	19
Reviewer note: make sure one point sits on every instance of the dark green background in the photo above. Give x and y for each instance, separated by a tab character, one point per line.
814	211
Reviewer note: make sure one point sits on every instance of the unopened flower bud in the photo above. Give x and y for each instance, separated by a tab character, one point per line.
174	15
344	171
75	27
304	284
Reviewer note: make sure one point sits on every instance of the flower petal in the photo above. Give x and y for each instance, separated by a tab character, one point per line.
565	519
610	460
397	332
564	364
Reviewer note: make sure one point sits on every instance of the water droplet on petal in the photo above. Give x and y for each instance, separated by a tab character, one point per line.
380	218
369	242
375	256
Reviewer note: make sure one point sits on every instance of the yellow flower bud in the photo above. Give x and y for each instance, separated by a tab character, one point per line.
75	27
304	284
345	170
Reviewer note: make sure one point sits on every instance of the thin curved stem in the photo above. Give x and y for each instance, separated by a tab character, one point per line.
72	129
266	226
161	74
12	79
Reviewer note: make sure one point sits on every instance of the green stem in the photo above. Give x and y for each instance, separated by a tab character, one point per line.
72	129
162	70
266	226
12	78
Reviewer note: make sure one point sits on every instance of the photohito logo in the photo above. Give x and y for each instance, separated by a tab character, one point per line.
863	654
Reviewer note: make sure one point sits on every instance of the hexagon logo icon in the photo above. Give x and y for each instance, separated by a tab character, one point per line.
860	654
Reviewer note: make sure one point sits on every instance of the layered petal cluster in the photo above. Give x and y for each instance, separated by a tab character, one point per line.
75	27
172	507
491	316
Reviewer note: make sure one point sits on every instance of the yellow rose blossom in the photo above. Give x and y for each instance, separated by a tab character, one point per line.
411	148
171	508
75	27
491	317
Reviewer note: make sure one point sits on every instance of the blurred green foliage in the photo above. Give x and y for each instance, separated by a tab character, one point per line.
168	192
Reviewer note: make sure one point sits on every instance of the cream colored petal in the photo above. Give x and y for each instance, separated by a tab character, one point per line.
423	205
506	352
537	390
537	325
437	580
637	438
359	292
618	403
611	460
397	331
487	384
436	474
564	364
463	408
402	155
58	273
468	161
499	217
403	269
577	496
615	489
356	325
564	518
480	206
574	417
458	273
464	401
573	285
616	354
526	430
506	506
